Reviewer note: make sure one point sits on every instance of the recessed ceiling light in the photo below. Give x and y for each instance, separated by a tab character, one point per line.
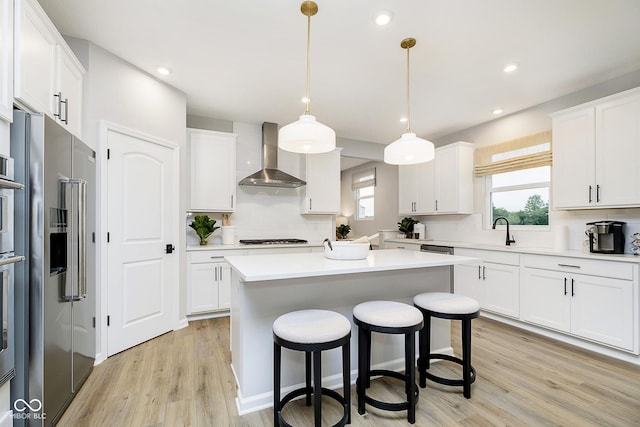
163	70
497	111
383	18
509	68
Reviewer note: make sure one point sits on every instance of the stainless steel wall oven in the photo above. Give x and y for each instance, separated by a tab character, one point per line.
7	260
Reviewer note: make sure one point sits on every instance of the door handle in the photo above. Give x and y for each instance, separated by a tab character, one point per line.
58	97
597	193
169	248
565	285
484	273
479	274
66	111
573	294
590	198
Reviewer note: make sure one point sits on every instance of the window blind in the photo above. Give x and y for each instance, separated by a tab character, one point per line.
523	153
364	178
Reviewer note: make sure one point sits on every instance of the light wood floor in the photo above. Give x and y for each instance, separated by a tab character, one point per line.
183	378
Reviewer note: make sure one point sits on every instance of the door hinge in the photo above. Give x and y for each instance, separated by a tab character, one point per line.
108	320
108	153
94	322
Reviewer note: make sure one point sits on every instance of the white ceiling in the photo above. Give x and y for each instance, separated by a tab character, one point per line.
245	60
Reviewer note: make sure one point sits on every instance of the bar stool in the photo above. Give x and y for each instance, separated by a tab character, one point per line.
312	331
453	307
387	317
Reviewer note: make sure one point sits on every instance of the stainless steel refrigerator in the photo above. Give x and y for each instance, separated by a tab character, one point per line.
55	222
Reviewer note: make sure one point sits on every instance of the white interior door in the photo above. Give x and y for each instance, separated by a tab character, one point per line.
141	201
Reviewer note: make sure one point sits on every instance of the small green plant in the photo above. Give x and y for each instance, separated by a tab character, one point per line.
406	226
342	230
204	227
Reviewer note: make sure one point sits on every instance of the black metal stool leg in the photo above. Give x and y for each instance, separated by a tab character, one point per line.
307	374
410	373
425	350
276	383
367	375
360	384
317	389
346	379
466	357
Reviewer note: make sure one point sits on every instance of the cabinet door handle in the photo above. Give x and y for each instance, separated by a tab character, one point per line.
479	275
436	205
66	111
220	267
590	199
484	273
58	97
232	201
565	285
309	204
568	265
597	194
216	273
573	294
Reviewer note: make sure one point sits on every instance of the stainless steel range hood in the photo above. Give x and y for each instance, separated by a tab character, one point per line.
270	175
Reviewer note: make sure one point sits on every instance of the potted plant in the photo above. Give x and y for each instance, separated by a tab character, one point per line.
406	226
204	227
342	230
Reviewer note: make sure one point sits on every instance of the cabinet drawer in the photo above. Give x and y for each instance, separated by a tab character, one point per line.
618	270
209	256
497	257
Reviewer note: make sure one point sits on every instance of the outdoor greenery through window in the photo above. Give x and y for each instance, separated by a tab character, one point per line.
364	202
521	196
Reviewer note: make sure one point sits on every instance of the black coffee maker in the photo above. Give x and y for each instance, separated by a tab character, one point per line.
606	237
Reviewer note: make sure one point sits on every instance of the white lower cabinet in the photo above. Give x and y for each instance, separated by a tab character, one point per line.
592	307
494	283
209	278
410	245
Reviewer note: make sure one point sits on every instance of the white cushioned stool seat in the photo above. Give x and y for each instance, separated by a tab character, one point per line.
442	302
311	326
389	314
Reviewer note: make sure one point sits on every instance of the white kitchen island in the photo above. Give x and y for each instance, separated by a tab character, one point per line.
265	286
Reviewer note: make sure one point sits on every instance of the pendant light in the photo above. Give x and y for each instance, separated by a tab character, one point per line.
408	149
307	135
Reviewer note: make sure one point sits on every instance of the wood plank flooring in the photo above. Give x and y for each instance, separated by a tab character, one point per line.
183	378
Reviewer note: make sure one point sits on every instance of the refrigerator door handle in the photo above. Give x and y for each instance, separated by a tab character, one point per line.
77	238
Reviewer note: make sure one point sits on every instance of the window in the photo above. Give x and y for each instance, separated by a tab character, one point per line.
363	184
520	196
517	179
364	202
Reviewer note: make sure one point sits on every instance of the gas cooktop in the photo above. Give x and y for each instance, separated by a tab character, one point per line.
271	241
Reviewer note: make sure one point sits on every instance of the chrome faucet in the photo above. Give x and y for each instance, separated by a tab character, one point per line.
509	240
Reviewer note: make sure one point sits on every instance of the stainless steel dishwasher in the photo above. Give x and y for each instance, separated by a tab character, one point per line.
443	250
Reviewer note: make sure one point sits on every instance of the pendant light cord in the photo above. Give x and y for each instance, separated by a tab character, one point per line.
306	111
408	96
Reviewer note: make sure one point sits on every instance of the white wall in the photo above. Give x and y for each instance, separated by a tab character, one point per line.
263	213
120	93
473	228
385	199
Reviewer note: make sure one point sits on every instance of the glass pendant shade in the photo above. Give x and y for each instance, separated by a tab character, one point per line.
307	136
408	150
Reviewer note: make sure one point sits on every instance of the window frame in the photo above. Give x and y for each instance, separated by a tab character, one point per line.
488	211
357	198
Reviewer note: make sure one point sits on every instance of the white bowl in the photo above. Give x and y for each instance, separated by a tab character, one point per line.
346	250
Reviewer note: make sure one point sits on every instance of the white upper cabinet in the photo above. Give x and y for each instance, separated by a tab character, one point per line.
323	184
6	60
212	171
596	148
47	76
441	186
454	179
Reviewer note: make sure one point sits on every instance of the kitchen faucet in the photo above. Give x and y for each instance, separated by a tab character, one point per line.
509	240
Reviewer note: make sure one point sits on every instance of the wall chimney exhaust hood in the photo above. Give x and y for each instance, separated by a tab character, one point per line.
270	175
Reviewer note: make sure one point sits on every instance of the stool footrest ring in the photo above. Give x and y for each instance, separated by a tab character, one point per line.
304	390
447	381
400	406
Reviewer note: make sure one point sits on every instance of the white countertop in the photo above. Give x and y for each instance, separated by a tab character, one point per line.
276	267
515	248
